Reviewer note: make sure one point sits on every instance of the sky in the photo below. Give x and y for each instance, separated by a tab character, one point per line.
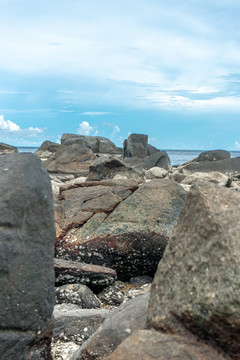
168	69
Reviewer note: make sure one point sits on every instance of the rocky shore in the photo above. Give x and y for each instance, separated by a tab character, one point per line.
112	253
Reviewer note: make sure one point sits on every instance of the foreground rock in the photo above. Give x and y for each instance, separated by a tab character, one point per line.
151	345
7	149
27	236
121	323
94	276
132	238
196	287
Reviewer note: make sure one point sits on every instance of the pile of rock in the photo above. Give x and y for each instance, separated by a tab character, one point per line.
123	216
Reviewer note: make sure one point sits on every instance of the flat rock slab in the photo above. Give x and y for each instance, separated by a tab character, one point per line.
196	287
152	345
133	237
94	276
72	324
121	323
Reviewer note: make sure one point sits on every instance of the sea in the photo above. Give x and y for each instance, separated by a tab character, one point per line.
177	157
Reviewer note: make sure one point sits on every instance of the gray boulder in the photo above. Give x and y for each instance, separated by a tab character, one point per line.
77	294
226	166
47	149
97	144
159	159
72	159
196	287
213	155
136	146
7	149
120	324
27	236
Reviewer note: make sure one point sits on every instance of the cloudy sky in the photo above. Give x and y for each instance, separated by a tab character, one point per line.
169	69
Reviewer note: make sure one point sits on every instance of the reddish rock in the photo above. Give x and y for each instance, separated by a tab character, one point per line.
152	345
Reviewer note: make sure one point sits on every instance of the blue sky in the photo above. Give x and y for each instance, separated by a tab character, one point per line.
169	69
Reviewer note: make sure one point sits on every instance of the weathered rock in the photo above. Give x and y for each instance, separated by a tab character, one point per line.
159	159
141	280
112	295
63	350
94	276
72	324
214	177
151	345
226	166
109	167
97	144
47	149
77	294
196	286
151	150
7	149
136	146
133	237
72	159
121	323
156	173
213	155
27	236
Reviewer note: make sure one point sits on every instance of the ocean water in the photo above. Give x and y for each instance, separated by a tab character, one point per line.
177	157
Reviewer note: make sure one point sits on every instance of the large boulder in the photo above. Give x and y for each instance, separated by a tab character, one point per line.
227	166
196	287
213	155
132	238
97	144
159	159
152	345
27	236
47	149
120	324
72	159
7	149
136	146
109	167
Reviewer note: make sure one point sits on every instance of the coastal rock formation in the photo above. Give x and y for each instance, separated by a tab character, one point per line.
97	144
132	238
213	155
129	317
136	146
47	149
27	236
7	149
196	287
72	159
77	294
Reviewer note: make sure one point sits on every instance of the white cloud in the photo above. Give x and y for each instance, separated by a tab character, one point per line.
237	145
8	128
116	130
8	125
85	128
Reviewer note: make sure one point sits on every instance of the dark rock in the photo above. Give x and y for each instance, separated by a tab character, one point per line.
140	280
151	150
133	237
72	159
136	146
159	159
151	345
27	236
94	276
196	287
107	168
112	295
227	166
213	155
47	149
97	144
7	149
120	324
72	324
77	294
